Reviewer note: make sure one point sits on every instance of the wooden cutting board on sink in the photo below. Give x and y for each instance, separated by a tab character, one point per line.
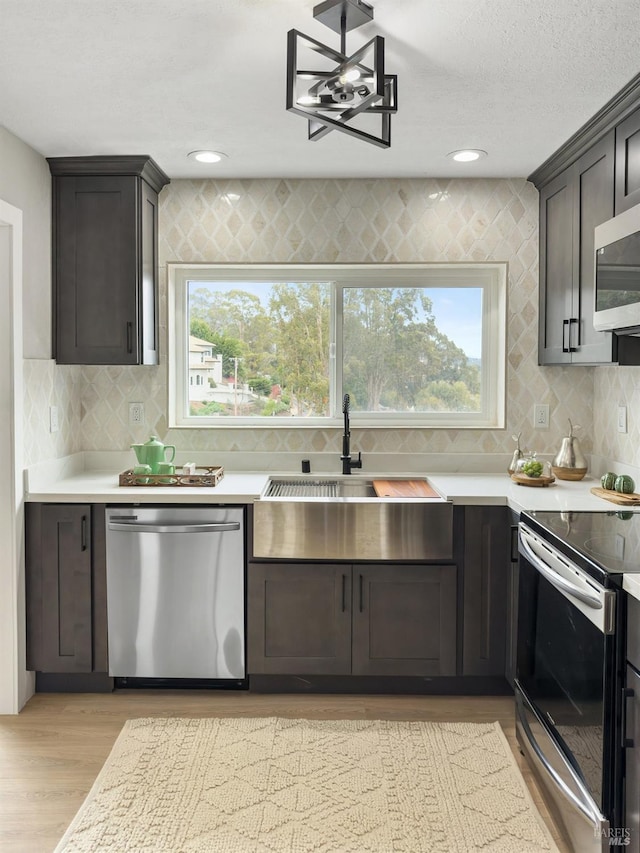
404	489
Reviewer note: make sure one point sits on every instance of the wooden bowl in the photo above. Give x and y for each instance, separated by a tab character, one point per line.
569	473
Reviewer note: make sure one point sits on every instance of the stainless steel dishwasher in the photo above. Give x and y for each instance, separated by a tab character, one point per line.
175	594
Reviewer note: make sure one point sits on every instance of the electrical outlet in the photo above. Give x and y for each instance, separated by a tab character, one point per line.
622	418
53	419
541	416
136	414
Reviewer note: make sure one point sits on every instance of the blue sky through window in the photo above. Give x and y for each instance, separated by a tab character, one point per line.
458	311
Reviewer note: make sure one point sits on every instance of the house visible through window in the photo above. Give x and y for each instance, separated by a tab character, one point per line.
412	344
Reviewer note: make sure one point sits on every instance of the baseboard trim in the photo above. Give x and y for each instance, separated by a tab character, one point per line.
73	682
444	686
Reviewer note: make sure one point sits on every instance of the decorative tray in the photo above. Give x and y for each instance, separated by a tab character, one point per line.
206	475
620	498
523	480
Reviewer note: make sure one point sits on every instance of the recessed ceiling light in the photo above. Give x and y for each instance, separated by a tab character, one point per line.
206	156
467	155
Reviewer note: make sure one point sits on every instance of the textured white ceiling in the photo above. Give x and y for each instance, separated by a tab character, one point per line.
164	77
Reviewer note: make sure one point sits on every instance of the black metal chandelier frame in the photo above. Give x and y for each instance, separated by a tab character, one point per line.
331	99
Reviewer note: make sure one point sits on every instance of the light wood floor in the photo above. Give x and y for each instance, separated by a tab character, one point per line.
52	751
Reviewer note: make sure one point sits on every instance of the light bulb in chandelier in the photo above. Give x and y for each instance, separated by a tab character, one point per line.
350	75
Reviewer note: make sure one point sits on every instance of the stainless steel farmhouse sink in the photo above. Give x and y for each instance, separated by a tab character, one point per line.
320	489
344	519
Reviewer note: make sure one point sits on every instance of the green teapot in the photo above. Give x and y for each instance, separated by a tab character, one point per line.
153	452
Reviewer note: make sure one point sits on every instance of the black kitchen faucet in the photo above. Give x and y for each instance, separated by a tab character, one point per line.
347	462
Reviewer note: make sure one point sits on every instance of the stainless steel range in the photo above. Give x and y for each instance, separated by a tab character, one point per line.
570	670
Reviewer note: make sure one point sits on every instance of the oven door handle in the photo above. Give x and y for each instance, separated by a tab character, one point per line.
554	578
585	805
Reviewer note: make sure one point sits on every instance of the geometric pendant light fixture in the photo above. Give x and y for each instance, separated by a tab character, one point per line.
337	91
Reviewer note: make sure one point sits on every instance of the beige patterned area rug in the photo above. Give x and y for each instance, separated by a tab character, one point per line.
273	785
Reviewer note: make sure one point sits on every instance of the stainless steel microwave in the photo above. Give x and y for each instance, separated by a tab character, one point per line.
617	273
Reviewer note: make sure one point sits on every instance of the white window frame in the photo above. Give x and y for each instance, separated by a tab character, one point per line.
490	276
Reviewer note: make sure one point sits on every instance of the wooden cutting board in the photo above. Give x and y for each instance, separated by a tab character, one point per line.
616	497
404	489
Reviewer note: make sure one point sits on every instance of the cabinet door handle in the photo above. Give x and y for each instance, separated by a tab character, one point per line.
627	693
129	337
83	533
565	328
361	591
573	321
514	557
344	593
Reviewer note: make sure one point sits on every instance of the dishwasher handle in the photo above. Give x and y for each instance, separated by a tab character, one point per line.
141	527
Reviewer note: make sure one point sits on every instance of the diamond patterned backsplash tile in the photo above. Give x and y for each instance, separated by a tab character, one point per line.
613	387
329	221
48	384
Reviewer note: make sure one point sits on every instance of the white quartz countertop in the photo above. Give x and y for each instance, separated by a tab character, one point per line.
563	495
96	486
631	584
102	487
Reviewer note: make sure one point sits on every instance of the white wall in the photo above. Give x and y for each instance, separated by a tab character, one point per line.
25	293
16	685
25	182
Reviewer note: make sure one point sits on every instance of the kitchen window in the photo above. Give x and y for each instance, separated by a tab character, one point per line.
412	344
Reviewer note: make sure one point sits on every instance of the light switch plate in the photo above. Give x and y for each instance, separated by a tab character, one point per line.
622	418
53	419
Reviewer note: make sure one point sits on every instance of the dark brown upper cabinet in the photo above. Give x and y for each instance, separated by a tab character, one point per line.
594	175
556	269
105	259
571	205
628	162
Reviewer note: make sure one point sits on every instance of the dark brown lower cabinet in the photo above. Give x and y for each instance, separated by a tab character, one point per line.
632	742
487	563
512	598
631	733
66	588
404	620
299	619
333	619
